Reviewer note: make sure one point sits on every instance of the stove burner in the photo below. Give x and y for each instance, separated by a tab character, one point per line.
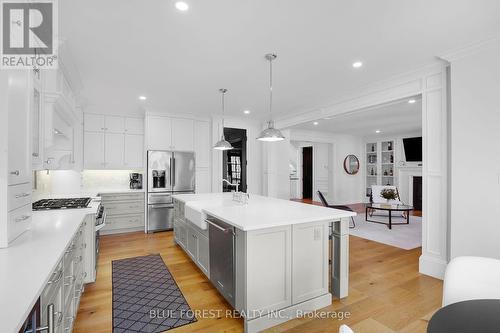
46	204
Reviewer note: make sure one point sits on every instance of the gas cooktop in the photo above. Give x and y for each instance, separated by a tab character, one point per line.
46	204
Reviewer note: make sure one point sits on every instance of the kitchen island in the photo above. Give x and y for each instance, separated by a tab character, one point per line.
269	258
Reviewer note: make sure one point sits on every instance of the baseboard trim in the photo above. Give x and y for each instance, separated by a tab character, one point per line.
266	321
432	266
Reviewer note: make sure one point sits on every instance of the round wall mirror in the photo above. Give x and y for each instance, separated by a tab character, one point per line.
351	164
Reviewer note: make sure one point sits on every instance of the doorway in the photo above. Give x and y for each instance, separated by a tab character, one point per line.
307	172
234	161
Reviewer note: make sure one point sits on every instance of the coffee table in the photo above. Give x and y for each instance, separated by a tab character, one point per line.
389	208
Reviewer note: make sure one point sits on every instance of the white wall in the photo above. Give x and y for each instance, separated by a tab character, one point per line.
254	153
475	155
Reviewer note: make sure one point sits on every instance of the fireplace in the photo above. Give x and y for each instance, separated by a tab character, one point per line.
417	192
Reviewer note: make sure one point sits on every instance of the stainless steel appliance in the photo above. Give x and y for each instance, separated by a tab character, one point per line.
222	258
168	173
135	181
31	324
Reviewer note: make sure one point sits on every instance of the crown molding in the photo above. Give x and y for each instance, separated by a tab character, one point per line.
470	49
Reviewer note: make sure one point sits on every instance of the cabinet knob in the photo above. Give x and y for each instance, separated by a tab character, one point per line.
15	172
35	155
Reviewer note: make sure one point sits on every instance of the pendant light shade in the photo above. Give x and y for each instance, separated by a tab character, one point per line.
271	134
222	144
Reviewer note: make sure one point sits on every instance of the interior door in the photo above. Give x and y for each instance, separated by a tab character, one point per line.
307	172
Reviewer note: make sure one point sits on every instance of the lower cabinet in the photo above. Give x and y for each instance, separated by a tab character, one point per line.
66	285
192	239
124	212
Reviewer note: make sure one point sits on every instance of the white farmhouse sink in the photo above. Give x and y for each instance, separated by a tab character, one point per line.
193	210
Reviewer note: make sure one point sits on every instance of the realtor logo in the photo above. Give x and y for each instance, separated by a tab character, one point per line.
28	34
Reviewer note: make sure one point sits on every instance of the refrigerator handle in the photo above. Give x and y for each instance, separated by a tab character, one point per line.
173	171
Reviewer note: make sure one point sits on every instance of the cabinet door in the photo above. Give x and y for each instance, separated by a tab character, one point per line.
309	261
159	133
202	180
134	148
182	134
202	143
19	139
114	149
134	125
36	141
114	124
93	150
192	243
203	255
93	122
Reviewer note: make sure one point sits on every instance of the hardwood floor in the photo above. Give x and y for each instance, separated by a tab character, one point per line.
386	292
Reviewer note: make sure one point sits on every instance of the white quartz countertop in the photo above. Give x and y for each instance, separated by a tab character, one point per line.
26	265
260	212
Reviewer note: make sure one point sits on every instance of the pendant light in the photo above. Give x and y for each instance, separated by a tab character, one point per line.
222	144
271	133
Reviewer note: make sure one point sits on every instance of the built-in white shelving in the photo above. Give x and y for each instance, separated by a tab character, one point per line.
380	166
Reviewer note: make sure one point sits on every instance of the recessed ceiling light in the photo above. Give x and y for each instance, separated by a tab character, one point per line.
246	111
142	98
377	131
411	101
182	6
357	64
315	123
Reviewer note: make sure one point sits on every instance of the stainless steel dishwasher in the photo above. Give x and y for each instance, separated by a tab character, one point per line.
222	257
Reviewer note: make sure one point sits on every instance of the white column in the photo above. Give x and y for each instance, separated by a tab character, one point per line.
435	175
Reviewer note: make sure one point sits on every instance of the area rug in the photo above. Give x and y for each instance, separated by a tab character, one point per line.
146	298
405	236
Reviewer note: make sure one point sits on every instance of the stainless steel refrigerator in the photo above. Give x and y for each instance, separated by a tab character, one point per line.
168	173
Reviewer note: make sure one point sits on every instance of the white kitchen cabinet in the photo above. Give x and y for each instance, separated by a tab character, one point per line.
122	144
182	134
124	212
114	124
134	151
269	268
192	243
35	120
203	180
134	125
93	150
159	134
18	129
309	261
93	122
114	150
202	147
203	258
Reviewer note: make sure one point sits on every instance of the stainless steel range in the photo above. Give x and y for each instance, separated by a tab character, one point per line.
70	203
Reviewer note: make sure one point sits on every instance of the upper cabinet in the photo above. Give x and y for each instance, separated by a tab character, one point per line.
169	133
202	143
113	142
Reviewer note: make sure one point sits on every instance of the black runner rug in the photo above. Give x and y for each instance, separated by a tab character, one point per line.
146	298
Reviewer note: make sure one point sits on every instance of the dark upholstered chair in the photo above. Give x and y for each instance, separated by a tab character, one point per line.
325	203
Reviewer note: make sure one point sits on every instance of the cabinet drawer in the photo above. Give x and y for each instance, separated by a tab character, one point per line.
19	195
124	222
54	283
69	278
18	221
109	197
122	208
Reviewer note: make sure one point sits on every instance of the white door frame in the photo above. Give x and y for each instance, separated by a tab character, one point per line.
431	83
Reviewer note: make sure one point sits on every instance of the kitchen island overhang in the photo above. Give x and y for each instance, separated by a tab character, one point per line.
279	251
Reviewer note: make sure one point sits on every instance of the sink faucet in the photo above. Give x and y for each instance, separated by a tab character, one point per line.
228	183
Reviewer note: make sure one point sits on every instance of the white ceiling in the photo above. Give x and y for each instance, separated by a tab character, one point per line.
125	48
394	118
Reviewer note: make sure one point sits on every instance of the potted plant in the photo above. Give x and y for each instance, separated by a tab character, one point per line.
389	194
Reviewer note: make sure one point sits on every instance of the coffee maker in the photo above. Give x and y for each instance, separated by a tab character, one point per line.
136	181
